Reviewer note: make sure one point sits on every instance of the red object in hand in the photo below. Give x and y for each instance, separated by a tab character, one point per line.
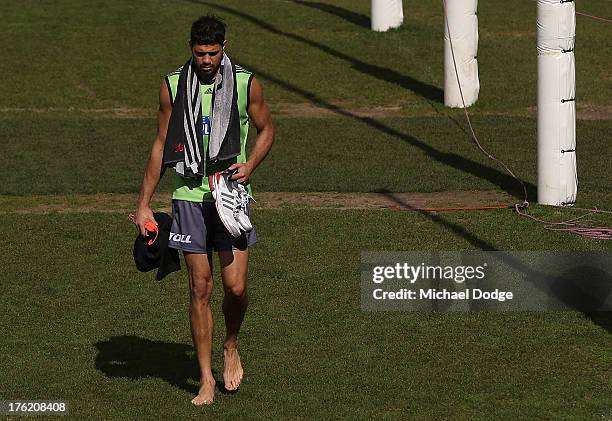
151	227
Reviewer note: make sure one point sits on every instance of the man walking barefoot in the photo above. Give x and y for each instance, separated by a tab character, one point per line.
203	121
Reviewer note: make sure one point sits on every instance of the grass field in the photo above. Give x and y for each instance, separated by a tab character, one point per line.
355	111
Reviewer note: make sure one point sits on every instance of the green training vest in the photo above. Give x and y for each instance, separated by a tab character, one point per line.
195	190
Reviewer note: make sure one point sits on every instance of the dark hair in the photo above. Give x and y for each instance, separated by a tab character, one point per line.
207	30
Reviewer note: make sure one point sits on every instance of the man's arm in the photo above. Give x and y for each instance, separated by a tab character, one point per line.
153	168
260	116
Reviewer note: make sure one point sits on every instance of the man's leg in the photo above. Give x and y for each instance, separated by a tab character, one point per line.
199	267
234	267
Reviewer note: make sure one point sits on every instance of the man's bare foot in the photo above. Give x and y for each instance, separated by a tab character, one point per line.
206	394
232	369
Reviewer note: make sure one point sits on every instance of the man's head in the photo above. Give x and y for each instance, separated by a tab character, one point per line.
207	43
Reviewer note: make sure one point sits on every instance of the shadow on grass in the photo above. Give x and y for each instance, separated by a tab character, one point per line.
602	319
425	90
133	357
348	15
569	288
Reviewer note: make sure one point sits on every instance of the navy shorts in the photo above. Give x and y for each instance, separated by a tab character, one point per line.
196	228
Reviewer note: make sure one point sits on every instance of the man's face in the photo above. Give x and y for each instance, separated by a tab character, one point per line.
207	59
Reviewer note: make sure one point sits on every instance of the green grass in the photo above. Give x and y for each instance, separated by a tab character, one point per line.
81	324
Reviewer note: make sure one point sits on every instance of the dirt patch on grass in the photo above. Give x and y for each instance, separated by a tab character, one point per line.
332	200
309	110
127	112
593	112
517	34
585	112
78	203
335	108
125	203
291	110
119	112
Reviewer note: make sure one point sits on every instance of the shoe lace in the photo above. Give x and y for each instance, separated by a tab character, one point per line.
243	197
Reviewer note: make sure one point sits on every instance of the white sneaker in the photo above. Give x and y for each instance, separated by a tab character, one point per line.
227	201
243	202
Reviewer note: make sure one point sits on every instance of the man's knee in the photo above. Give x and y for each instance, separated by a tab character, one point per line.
236	289
200	287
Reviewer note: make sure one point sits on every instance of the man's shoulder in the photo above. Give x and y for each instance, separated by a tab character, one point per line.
241	70
175	73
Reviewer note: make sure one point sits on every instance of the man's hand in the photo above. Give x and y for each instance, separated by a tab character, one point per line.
243	172
143	215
